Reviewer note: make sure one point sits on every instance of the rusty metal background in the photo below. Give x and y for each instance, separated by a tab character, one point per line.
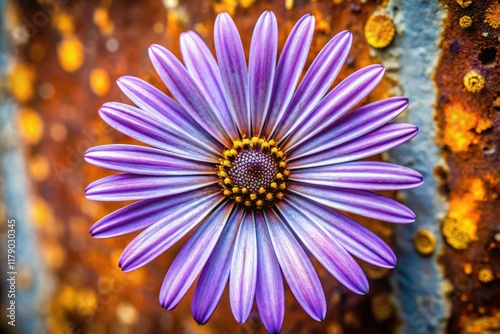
59	63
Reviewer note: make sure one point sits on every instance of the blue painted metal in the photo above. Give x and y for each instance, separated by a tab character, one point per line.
16	198
417	279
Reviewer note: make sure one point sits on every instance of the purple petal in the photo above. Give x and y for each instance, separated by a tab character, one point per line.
203	68
145	161
316	83
290	65
269	293
359	202
367	175
144	127
263	51
215	274
340	100
193	256
173	117
233	69
354	237
296	267
130	187
324	247
140	215
353	125
187	93
160	236
377	141
243	270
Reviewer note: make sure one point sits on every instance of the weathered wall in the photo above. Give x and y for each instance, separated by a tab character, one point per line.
64	58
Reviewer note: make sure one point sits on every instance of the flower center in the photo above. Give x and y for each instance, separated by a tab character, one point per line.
253	172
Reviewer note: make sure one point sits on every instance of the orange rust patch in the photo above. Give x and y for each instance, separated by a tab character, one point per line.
460	227
459	123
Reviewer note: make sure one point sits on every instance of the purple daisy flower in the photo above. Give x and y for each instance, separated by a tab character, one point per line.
257	166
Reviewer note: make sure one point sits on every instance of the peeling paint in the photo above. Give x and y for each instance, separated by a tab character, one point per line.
419	297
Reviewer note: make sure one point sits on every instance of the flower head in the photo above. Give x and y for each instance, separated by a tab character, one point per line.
257	166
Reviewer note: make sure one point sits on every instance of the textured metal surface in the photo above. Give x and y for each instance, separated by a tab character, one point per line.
418	280
65	57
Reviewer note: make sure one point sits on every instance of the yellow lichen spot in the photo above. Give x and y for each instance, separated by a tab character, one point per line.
99	81
39	168
467	268
102	21
30	125
485	275
465	21
70	53
64	23
21	82
379	30
459	122
473	82
493	15
424	242
464	3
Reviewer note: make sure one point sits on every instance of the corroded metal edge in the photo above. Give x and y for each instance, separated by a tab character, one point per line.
418	280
